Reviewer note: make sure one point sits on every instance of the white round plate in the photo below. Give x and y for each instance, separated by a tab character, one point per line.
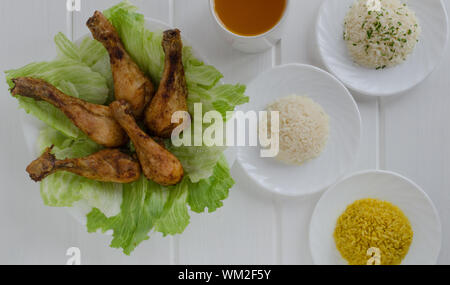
386	186
427	54
32	126
344	140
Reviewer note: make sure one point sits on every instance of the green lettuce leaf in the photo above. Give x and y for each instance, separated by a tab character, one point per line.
209	193
198	161
90	52
50	116
72	77
145	205
175	216
90	85
48	137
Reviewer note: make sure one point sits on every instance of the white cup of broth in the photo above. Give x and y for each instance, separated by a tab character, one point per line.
250	26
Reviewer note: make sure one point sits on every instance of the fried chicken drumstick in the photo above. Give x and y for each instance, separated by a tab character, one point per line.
108	165
157	163
96	121
172	92
130	83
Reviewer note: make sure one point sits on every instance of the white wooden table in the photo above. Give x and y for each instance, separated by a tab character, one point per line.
409	134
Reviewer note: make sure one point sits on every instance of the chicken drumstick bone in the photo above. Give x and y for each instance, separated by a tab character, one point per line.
172	92
94	120
130	83
108	165
157	163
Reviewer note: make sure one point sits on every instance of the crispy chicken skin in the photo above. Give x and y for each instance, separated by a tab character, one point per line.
157	163
130	83
108	165
172	92
96	121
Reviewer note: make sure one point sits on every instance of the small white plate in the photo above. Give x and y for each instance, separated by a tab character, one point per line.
386	186
427	54
32	126
344	140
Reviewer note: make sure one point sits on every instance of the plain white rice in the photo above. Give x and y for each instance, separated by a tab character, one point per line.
303	130
379	38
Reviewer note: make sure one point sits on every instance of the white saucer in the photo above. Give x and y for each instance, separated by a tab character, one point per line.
386	186
427	54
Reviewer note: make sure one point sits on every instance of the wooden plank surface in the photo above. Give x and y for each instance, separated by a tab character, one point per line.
156	9
299	45
417	140
30	232
238	232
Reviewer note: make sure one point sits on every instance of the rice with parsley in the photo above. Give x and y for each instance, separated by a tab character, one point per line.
373	224
380	33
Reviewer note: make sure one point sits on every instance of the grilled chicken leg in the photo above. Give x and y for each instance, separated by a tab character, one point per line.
157	163
94	120
108	165
172	92
130	83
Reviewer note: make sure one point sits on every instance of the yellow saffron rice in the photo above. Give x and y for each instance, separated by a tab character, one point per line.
372	223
